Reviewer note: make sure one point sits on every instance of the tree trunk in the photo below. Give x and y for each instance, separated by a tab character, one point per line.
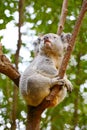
33	119
15	92
14	108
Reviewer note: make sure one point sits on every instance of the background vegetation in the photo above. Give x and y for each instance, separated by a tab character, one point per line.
43	17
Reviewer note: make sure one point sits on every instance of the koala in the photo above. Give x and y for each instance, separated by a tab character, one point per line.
36	46
42	73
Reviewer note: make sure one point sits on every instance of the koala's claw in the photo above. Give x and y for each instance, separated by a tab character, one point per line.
69	86
62	82
58	81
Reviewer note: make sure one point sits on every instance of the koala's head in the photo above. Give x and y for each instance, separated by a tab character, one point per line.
53	43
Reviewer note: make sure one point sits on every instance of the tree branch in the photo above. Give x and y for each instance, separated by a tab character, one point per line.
62	17
7	68
73	38
50	100
66	58
16	62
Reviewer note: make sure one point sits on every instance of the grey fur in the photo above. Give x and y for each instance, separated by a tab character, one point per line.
41	75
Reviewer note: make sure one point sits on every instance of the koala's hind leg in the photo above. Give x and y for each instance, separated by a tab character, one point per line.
38	87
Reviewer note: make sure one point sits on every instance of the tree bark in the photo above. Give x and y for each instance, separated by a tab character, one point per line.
8	69
15	92
73	38
34	118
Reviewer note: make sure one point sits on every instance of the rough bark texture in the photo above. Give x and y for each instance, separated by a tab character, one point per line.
34	116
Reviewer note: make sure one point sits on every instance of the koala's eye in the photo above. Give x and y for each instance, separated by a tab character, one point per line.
61	36
54	37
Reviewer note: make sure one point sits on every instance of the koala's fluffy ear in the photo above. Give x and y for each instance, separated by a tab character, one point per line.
65	37
36	46
37	41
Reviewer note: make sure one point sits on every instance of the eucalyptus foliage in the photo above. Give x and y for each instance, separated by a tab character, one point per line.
43	17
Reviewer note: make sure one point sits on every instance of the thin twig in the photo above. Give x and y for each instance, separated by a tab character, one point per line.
73	38
62	17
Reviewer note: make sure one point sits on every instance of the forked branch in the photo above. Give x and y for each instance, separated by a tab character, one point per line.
66	58
49	101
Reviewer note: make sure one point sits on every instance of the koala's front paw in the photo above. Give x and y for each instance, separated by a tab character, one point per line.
58	81
62	82
68	85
